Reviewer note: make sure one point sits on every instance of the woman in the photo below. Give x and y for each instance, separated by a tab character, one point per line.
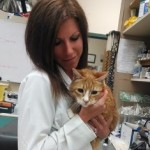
56	41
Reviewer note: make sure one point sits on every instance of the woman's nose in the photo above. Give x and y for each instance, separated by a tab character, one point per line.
68	47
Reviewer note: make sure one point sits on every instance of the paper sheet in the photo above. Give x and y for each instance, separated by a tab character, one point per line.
127	55
14	62
118	143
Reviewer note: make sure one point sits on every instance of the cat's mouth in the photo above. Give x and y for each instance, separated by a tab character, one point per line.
85	104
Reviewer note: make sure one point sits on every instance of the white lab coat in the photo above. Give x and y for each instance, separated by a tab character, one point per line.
43	123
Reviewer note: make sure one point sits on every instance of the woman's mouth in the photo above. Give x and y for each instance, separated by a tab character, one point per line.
69	59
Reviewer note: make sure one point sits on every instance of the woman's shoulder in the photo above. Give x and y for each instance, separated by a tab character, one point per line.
36	74
35	79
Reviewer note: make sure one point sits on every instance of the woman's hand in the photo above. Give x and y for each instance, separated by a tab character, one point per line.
88	113
100	126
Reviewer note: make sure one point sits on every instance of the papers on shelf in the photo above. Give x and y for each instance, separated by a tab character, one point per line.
127	55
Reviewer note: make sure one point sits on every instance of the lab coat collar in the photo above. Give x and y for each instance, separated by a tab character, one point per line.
65	76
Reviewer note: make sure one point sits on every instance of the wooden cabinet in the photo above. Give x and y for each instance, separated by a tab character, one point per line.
140	30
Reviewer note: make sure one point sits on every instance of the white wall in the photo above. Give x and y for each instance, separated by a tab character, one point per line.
97	47
102	15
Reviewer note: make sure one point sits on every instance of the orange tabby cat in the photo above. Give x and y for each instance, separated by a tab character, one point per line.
86	88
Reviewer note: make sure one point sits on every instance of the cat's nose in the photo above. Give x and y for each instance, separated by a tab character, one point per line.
85	100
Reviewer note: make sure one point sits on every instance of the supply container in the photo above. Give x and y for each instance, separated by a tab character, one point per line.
3	87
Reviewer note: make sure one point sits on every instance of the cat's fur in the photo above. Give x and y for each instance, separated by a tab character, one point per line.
86	88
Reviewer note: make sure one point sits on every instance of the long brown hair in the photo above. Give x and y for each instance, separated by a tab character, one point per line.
41	31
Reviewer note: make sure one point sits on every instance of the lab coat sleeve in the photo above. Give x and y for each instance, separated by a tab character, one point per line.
36	116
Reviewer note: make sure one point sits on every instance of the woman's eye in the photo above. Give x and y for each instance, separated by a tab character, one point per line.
57	42
94	92
74	37
80	90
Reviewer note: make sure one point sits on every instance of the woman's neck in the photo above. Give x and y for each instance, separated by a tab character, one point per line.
70	74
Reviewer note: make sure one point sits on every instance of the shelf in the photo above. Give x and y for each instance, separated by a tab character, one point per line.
145	63
140	28
135	116
8	115
141	80
135	102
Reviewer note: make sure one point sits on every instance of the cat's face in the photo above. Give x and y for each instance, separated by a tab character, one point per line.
87	87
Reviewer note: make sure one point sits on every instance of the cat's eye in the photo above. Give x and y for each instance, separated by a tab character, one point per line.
94	92
80	90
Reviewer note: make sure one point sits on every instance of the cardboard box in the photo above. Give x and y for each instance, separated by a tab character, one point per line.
144	7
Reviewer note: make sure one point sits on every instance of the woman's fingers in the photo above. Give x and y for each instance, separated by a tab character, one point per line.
101	126
101	101
102	120
109	121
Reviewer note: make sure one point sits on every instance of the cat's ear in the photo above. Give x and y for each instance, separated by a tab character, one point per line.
102	76
76	74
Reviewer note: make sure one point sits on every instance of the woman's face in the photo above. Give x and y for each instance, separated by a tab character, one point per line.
68	46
